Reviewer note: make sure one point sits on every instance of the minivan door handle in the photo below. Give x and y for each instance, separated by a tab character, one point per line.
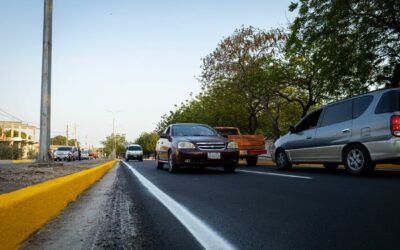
346	130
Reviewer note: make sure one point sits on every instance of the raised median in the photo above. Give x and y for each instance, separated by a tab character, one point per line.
24	211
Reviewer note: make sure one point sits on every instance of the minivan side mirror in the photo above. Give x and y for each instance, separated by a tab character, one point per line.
292	129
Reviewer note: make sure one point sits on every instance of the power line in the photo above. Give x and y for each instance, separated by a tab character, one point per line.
11	115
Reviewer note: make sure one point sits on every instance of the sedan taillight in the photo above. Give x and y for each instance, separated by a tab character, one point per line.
395	125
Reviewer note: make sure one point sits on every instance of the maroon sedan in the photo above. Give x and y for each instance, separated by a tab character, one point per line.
195	145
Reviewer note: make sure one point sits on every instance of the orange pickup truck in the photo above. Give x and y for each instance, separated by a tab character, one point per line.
250	146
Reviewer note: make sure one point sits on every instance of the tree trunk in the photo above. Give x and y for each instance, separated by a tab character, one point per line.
276	132
395	82
252	124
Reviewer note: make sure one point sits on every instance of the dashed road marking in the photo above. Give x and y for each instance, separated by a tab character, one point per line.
275	174
205	235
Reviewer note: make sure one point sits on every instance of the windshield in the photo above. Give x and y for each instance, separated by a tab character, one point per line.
193	130
64	149
134	148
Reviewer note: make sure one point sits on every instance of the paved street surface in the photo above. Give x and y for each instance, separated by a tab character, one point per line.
255	208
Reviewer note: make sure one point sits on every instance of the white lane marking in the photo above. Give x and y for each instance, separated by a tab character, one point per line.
205	235
283	175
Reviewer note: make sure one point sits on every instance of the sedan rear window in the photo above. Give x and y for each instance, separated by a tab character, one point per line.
389	102
192	130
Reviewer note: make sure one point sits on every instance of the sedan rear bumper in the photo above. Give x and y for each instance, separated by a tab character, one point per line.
200	158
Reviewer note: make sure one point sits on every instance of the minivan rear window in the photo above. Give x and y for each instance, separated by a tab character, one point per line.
389	102
361	104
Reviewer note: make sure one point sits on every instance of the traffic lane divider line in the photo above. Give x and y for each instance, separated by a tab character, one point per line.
379	166
204	234
275	174
24	211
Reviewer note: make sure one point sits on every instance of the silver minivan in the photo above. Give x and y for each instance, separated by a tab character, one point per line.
359	131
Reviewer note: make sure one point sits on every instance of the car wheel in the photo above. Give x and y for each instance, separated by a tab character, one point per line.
160	165
230	168
357	160
141	159
331	166
172	167
282	161
251	160
127	159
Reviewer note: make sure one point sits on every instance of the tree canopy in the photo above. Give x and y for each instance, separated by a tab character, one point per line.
148	141
108	144
357	43
262	81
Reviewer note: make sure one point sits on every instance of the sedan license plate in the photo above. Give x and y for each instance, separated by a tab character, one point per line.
214	155
243	152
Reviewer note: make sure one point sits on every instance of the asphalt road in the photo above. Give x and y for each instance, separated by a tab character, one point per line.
255	208
308	208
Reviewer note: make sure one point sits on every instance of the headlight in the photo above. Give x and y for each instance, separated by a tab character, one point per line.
232	145
185	144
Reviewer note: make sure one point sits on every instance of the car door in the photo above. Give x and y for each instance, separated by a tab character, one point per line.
334	131
163	144
301	141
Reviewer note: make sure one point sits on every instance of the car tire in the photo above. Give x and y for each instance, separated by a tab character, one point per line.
160	165
331	166
282	161
127	159
251	160
230	168
141	159
172	167
357	160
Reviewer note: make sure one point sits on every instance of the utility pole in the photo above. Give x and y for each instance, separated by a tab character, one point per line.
45	106
114	153
76	140
66	142
115	141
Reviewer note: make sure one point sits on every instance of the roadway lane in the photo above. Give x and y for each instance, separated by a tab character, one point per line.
261	208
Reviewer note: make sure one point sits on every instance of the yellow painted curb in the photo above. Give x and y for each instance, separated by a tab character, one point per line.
24	211
22	161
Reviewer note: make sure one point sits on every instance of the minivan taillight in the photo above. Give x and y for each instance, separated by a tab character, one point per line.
395	125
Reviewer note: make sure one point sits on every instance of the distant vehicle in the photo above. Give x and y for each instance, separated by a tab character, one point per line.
360	132
92	154
195	145
66	154
85	154
134	152
250	146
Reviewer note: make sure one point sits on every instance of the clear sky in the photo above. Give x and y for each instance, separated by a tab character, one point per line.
135	57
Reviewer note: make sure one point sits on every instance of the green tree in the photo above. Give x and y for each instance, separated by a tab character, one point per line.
356	43
58	140
148	141
249	59
108	144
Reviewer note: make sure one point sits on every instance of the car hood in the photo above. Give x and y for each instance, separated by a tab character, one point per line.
195	139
